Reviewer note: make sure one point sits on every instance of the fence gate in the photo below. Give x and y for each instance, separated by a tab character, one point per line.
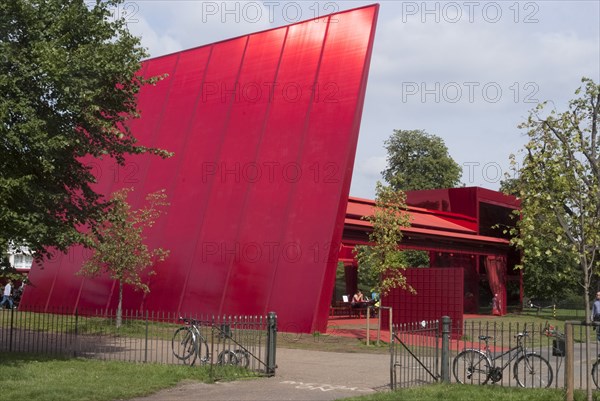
415	351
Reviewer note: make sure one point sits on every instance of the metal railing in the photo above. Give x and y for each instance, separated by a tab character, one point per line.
504	360
415	350
142	337
425	352
582	356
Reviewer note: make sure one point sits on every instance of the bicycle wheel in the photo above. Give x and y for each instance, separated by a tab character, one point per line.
227	357
471	367
243	357
202	351
534	371
184	345
596	373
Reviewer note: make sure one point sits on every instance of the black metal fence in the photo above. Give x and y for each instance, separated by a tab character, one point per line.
582	356
415	354
142	337
562	310
508	354
504	354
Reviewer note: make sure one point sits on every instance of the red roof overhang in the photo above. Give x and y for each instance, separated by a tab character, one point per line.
419	217
429	230
365	225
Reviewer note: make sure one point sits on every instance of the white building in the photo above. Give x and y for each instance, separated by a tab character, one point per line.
20	258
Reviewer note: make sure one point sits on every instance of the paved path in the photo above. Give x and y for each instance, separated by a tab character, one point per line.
301	375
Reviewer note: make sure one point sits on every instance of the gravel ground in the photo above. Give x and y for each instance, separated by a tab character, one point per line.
301	375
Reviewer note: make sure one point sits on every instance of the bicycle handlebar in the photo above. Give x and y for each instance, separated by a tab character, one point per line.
187	320
522	334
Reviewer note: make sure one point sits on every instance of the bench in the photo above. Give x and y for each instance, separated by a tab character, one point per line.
340	311
346	309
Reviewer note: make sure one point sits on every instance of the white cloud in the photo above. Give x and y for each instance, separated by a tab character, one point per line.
168	26
528	62
372	166
157	44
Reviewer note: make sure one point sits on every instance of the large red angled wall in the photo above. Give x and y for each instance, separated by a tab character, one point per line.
264	128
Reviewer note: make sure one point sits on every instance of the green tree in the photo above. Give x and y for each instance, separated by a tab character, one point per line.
118	244
548	276
368	276
383	263
418	160
416	258
69	80
560	178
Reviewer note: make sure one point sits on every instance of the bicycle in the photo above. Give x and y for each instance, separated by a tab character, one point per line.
239	356
596	372
551	331
478	367
189	344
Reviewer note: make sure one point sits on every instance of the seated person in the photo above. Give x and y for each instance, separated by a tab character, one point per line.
358	299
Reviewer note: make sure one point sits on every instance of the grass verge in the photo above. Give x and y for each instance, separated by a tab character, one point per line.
37	377
329	343
456	392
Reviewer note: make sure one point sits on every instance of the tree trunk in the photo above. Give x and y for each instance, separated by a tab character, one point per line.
120	306
586	288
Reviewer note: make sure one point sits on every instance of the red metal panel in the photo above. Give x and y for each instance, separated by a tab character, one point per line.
264	129
204	285
264	190
338	81
97	293
182	100
460	200
439	293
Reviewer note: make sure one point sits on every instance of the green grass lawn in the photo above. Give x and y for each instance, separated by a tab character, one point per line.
134	327
458	392
532	321
35	377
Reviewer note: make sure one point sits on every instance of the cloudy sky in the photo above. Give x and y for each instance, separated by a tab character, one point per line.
468	72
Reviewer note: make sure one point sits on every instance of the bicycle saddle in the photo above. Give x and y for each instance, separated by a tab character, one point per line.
485	338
